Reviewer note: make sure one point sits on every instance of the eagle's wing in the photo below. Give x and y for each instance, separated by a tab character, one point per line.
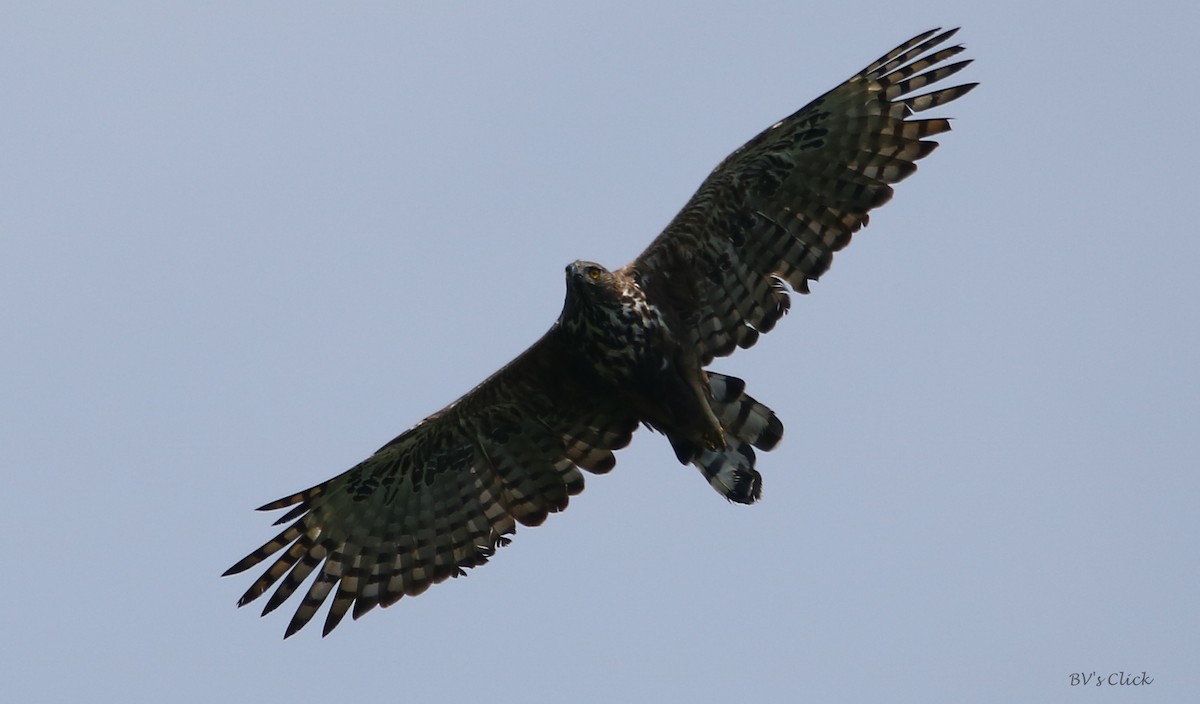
442	496
778	208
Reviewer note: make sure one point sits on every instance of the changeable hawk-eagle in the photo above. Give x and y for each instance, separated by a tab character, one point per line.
629	348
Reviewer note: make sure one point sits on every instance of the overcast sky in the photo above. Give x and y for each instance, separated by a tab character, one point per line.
244	244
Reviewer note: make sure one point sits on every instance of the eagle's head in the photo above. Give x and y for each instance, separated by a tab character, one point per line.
592	291
590	281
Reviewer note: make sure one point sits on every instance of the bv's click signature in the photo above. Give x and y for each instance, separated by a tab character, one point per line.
1115	679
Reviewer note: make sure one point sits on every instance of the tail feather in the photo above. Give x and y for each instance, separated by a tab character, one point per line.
741	415
731	472
747	424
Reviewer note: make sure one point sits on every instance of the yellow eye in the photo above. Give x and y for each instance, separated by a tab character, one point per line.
594	274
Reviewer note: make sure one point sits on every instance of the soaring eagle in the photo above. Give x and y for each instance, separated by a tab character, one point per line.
628	349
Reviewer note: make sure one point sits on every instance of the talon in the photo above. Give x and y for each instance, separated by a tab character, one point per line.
715	440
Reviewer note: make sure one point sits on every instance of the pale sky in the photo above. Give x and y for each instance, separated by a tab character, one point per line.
244	244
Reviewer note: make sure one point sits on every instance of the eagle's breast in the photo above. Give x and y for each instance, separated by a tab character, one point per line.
615	329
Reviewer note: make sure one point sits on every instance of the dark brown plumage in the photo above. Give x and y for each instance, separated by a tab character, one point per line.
629	348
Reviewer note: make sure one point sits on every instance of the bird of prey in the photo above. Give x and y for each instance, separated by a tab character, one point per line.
629	348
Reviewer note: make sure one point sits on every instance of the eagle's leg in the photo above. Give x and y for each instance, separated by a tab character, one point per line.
715	439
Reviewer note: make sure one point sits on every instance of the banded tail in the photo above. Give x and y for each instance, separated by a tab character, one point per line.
747	424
